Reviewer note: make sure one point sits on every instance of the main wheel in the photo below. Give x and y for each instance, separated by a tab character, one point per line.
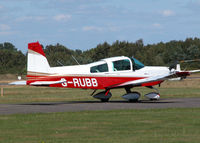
105	100
132	96
103	96
133	100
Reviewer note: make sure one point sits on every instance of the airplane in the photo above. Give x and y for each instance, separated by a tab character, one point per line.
106	74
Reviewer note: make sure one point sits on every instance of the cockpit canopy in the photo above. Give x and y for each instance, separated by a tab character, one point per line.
99	68
121	65
116	64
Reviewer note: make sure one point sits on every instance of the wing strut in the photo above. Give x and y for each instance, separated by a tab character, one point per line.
93	92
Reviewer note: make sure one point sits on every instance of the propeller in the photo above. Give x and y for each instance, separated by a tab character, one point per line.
173	66
188	61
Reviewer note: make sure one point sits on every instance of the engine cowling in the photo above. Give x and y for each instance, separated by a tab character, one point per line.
152	96
133	96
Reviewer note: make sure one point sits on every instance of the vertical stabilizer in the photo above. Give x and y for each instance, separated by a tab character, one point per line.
178	67
37	63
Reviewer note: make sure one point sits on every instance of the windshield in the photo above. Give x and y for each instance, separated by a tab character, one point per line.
136	64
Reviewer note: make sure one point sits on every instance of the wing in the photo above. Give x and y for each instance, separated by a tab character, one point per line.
153	80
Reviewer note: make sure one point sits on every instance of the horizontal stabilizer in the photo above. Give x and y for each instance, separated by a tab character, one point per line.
21	82
46	83
194	71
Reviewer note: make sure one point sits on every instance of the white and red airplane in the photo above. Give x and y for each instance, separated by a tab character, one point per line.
107	74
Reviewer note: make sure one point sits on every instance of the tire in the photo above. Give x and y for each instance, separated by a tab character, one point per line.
136	100
105	100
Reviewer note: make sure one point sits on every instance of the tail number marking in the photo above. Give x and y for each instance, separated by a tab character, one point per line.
85	82
64	84
81	82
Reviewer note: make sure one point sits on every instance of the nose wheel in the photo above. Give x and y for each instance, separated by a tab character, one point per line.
153	95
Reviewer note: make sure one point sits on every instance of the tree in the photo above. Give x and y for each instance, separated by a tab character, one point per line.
13	61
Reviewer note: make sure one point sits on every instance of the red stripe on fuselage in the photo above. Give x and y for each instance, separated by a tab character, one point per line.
92	82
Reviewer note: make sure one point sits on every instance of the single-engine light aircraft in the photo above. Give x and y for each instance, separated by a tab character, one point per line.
107	74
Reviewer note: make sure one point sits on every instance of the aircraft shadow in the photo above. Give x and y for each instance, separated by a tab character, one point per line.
99	102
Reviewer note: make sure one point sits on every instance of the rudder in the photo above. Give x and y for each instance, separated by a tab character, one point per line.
37	63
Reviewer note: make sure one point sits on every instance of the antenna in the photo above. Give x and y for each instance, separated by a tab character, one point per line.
75	60
59	63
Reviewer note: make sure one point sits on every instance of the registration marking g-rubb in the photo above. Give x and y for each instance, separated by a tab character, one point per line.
80	82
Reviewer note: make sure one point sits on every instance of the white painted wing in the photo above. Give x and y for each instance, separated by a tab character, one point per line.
151	79
147	80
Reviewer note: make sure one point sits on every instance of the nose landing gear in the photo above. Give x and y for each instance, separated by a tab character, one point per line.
153	95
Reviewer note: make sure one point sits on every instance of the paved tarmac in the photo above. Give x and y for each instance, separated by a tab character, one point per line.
72	106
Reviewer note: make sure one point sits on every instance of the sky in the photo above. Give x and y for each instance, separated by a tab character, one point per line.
83	24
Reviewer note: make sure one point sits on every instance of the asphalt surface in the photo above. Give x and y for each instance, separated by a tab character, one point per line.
72	106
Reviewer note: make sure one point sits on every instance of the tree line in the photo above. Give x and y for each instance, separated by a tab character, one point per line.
11	60
162	54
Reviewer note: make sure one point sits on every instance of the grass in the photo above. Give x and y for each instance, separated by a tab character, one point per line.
24	94
127	126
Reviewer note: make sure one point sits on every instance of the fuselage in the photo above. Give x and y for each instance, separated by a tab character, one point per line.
107	74
101	74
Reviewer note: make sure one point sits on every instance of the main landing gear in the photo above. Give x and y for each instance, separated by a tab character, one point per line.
104	96
131	96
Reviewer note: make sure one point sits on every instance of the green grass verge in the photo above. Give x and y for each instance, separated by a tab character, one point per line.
119	126
38	94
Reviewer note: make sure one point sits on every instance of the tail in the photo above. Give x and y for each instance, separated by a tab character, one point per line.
37	64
